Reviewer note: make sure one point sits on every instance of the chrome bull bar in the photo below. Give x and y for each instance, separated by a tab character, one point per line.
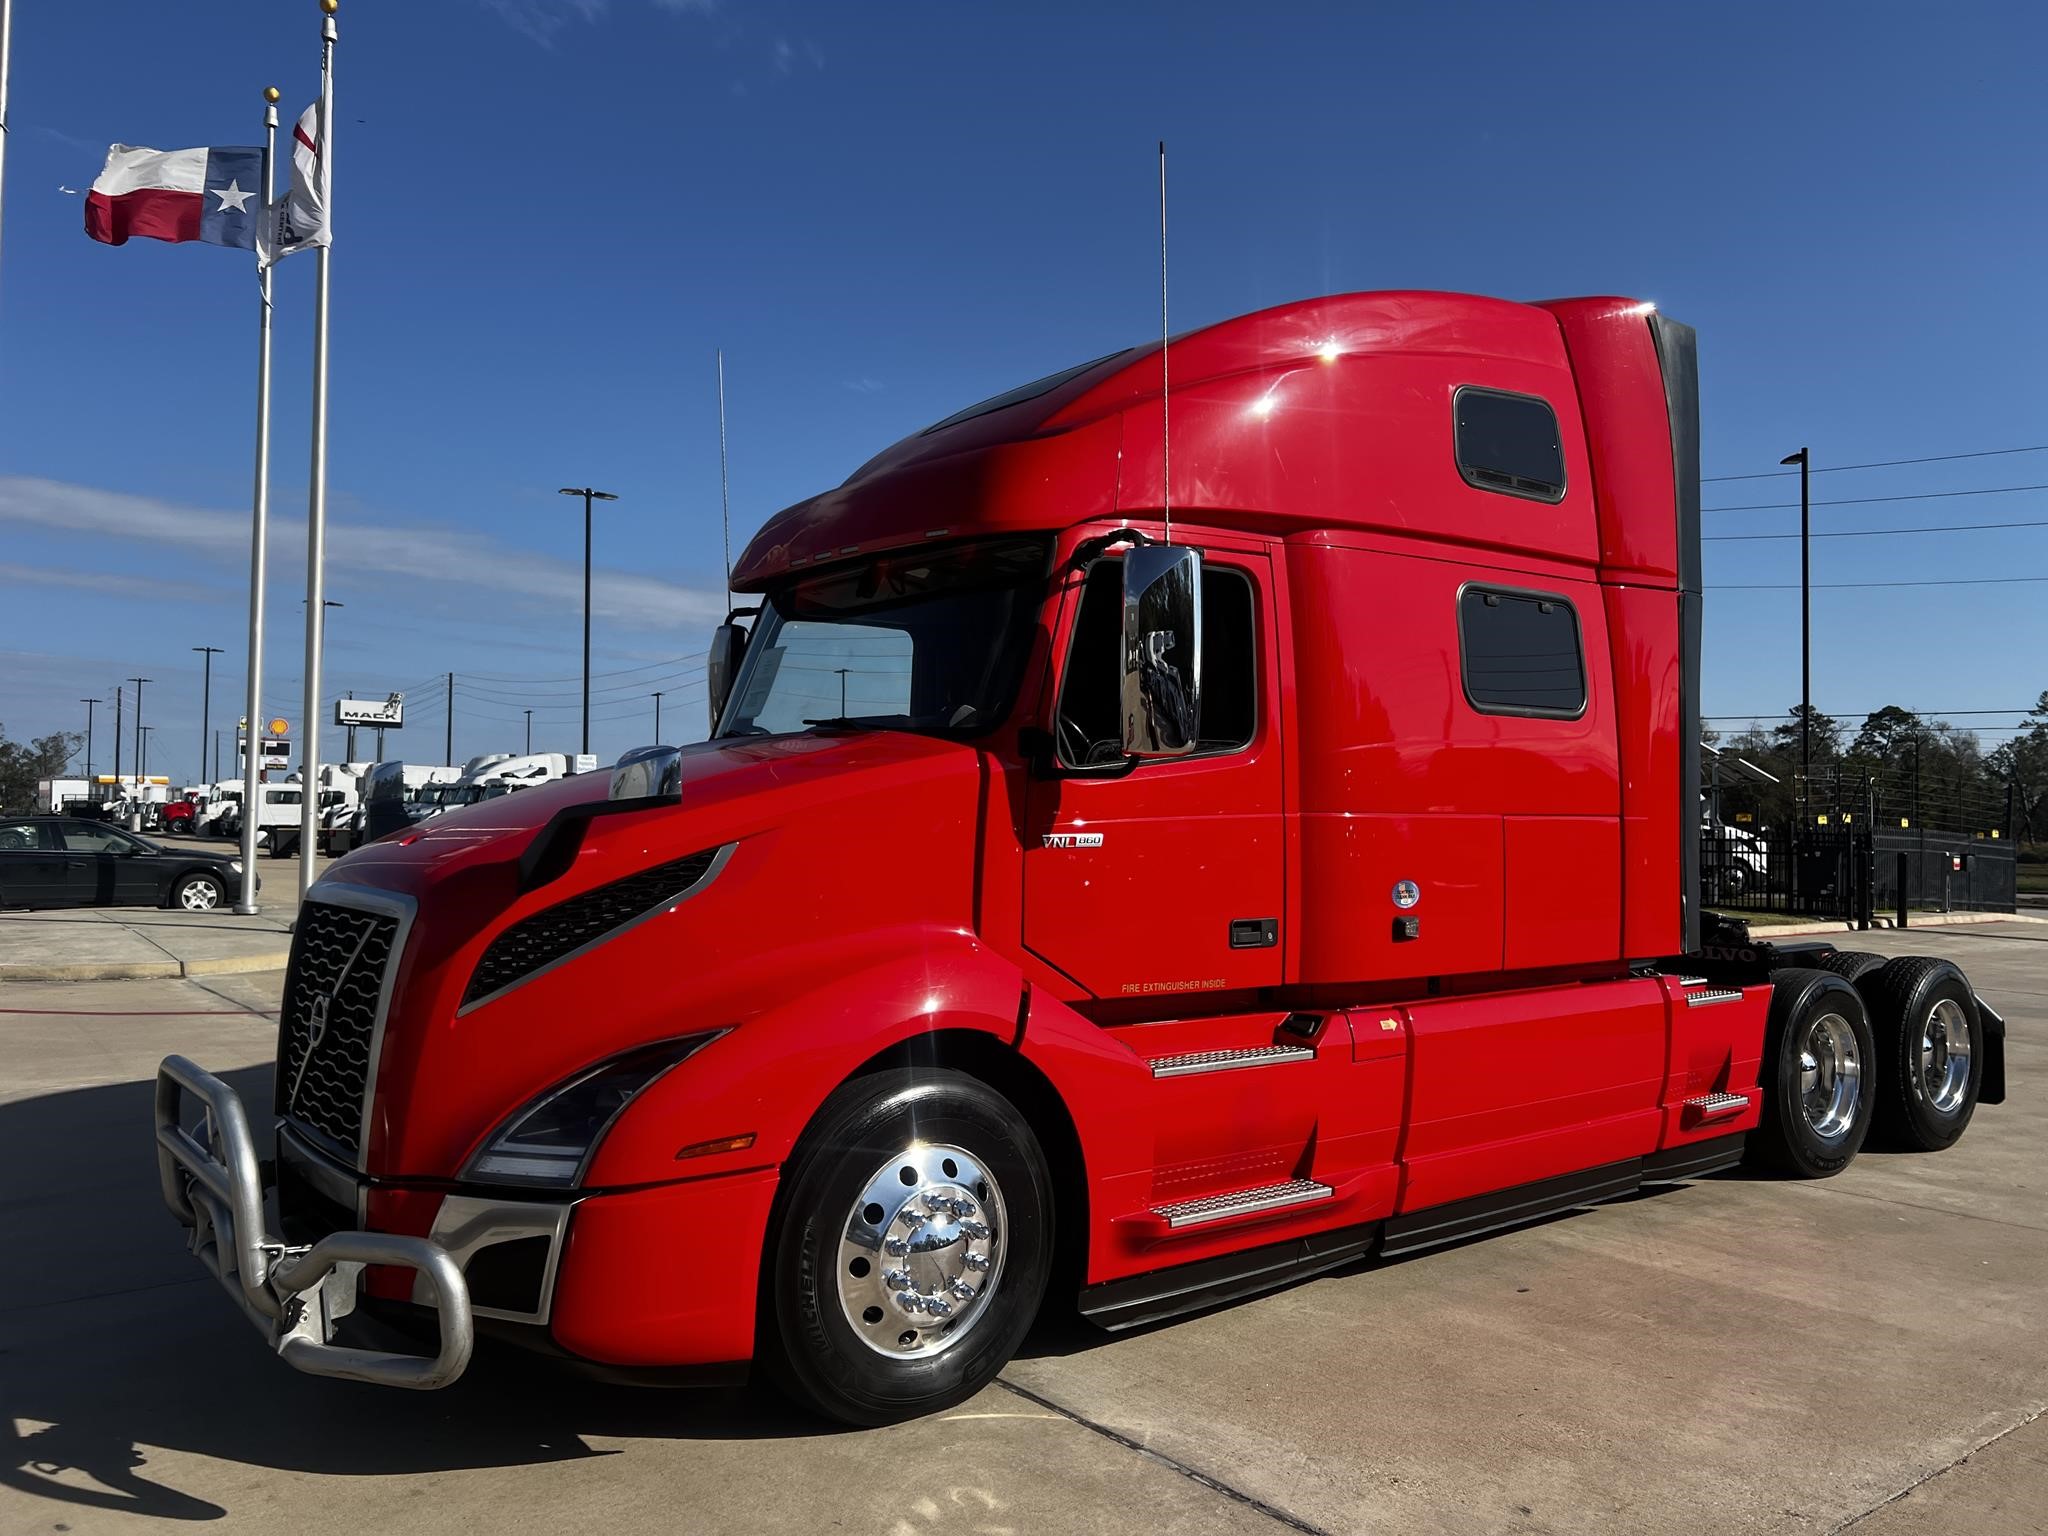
294	1295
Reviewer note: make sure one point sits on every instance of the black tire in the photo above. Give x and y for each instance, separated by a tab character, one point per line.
1852	965
808	1338
1910	998
199	892
1788	1140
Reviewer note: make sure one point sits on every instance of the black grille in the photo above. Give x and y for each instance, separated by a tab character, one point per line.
339	955
540	940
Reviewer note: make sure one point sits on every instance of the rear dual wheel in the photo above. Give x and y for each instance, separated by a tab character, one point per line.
1929	1068
1819	1075
911	1251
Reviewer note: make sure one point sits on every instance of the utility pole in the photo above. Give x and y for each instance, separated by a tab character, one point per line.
118	690
138	682
448	753
88	703
657	716
216	755
205	700
588	496
142	735
529	731
1805	630
842	671
351	747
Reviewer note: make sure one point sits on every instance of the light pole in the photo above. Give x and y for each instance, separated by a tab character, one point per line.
588	496
529	733
1805	637
88	703
842	671
142	735
657	716
138	682
308	771
205	700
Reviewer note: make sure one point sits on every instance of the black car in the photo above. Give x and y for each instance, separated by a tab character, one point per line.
62	861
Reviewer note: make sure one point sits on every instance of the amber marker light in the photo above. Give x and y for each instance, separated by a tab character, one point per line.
721	1144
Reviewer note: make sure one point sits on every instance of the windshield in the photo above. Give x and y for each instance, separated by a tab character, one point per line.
927	640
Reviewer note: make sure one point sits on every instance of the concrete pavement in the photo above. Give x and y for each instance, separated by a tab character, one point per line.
1739	1355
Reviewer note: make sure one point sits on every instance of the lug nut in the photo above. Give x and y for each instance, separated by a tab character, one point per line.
896	1279
978	1262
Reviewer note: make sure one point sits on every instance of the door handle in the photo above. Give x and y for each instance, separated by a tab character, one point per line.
1254	932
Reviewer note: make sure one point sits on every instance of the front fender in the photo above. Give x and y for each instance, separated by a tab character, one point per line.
767	1077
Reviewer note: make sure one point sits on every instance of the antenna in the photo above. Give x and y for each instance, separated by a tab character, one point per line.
1165	437
724	495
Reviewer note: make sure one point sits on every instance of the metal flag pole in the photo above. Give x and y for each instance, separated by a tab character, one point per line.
259	539
316	499
6	55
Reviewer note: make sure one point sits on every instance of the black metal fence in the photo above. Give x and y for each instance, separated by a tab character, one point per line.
1854	872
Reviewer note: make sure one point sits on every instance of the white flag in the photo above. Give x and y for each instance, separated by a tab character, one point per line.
302	217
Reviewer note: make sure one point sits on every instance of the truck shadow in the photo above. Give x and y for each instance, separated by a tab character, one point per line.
120	1361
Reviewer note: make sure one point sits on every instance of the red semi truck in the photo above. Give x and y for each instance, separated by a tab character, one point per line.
1087	897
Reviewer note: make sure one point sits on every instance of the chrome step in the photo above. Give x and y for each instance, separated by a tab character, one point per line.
1243	1202
1706	995
1712	1106
1192	1062
1692	981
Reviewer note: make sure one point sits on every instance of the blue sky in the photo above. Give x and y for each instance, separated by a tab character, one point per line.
550	212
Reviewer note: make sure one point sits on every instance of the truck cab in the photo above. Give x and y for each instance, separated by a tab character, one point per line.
1142	856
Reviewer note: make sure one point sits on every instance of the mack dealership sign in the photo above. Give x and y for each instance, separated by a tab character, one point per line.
387	713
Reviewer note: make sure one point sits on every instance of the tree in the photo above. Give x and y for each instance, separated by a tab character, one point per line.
1888	736
21	765
1827	735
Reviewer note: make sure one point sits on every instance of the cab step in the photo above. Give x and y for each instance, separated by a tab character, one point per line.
1699	996
1242	1202
1193	1063
1714	1106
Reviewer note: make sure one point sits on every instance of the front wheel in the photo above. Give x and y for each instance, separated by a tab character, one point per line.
911	1251
1819	1075
198	893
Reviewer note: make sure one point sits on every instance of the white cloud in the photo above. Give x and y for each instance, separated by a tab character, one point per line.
155	588
782	56
866	386
542	19
440	556
688	7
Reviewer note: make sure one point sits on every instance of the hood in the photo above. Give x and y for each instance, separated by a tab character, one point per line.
819	826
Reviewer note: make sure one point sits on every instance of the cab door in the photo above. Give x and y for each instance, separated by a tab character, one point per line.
1168	878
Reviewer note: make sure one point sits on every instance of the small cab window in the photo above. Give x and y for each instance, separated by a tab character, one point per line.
1088	726
1521	653
1509	443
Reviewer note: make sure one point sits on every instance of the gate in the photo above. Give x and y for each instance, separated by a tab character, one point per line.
1805	872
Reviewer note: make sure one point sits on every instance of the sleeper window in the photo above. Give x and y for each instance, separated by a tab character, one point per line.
1509	443
1088	728
1521	653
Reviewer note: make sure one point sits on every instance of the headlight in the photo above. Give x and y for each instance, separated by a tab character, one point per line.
550	1141
235	865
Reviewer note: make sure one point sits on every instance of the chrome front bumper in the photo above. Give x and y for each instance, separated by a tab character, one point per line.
294	1295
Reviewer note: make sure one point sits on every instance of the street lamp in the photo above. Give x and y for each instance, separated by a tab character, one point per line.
588	496
88	703
205	702
138	682
1805	636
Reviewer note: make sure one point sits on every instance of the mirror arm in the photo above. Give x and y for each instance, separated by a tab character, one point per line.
1041	758
1088	551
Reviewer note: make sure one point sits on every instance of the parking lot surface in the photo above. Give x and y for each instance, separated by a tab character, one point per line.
1868	1352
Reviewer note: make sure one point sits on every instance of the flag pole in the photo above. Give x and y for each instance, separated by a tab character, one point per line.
6	55
259	541
316	500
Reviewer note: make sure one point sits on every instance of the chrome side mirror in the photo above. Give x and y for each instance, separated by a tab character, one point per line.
650	774
722	665
1162	662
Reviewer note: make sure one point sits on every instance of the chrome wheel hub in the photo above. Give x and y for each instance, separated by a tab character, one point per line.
1945	1055
1830	1076
197	897
921	1251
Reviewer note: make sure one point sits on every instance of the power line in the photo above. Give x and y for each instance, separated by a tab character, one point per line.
1954	581
1866	501
1873	533
1832	469
499	677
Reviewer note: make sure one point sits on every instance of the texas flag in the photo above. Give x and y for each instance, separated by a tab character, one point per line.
215	195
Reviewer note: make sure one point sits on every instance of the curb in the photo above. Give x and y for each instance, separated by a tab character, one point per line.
1891	924
146	970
